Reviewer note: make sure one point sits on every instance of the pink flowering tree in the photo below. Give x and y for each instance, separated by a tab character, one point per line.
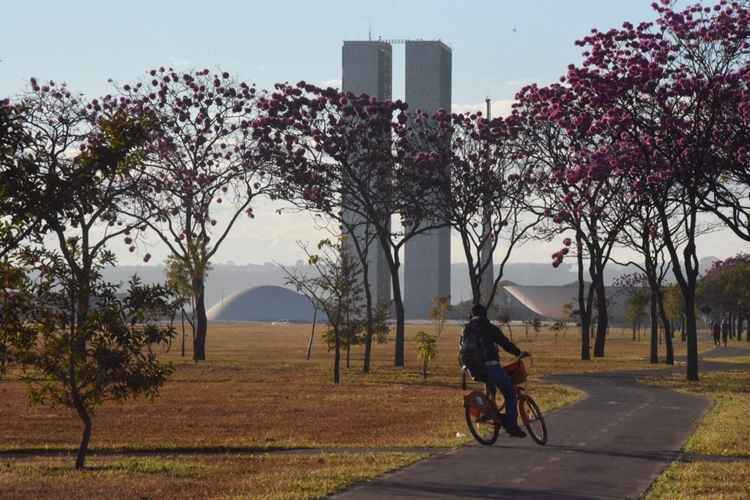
343	155
200	171
485	192
576	159
665	87
717	44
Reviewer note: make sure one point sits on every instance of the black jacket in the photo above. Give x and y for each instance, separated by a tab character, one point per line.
492	337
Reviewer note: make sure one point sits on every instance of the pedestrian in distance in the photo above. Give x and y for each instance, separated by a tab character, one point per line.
716	329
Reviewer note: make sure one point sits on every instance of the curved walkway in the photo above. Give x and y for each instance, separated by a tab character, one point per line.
612	444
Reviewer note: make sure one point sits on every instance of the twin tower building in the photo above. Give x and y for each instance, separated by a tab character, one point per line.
367	68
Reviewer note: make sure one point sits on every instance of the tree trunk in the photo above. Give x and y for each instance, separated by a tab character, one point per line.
312	334
584	312
602	319
740	324
400	319
199	342
348	346
182	320
476	287
654	355
669	345
369	333
667	328
692	336
86	437
683	332
337	356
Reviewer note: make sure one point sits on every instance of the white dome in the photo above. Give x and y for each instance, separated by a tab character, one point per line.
263	303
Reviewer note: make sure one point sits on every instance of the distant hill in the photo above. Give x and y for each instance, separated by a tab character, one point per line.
227	279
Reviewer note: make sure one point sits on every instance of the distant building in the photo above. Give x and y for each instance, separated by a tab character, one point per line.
549	302
544	302
264	303
367	68
427	257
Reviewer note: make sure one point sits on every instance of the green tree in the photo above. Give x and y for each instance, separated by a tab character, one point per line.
439	313
18	208
178	279
723	289
75	175
635	309
334	287
674	307
11	279
426	350
81	362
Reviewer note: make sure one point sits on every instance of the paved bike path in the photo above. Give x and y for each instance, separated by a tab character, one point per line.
612	444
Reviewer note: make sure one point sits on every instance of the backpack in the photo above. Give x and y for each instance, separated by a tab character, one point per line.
470	351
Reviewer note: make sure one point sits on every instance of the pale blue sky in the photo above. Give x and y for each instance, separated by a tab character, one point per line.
498	46
85	42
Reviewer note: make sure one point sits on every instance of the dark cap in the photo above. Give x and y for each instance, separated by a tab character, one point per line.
479	310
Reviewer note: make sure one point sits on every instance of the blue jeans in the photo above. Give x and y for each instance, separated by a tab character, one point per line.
498	379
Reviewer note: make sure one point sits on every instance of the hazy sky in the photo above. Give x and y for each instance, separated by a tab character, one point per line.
498	46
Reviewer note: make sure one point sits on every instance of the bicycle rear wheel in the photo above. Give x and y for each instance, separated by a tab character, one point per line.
533	419
481	425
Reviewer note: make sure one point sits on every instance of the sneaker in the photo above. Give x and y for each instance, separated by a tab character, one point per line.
515	431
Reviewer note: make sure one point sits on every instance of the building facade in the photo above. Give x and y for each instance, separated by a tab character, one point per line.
427	257
367	69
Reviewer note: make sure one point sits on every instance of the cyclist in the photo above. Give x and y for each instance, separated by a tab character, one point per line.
492	338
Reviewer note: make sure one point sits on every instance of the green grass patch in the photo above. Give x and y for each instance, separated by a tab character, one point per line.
703	480
161	466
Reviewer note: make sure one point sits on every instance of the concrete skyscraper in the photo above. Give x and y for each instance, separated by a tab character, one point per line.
427	258
367	69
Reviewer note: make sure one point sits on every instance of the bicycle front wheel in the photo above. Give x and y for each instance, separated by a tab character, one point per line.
481	425
533	419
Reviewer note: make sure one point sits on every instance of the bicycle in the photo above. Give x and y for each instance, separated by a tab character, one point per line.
480	409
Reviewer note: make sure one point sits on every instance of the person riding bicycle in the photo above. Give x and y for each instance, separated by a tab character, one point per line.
497	378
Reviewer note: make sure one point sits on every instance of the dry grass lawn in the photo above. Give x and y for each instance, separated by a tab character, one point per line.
704	480
724	432
257	476
257	393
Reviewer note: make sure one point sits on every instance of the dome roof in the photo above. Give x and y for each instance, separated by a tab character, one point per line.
263	303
